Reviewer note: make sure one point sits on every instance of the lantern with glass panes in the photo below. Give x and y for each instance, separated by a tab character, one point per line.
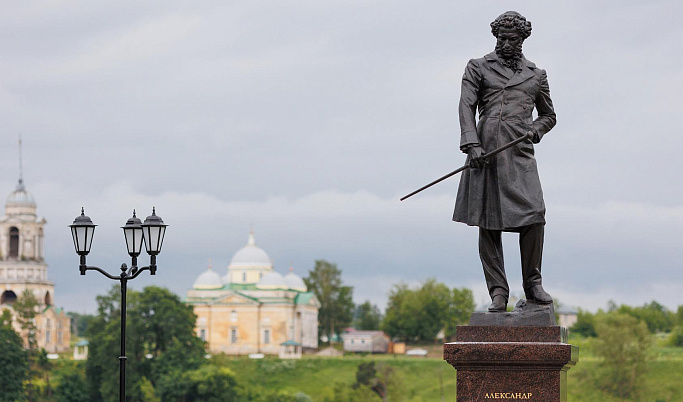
151	232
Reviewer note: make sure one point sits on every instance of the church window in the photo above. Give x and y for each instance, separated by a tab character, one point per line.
14	242
47	336
233	316
8	297
266	336
202	334
48	299
233	335
59	337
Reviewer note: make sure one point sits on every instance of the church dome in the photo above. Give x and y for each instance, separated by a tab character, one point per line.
251	256
272	280
293	281
208	280
20	201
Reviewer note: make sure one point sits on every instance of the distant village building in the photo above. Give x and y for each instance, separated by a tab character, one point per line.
22	267
81	350
253	308
567	316
365	341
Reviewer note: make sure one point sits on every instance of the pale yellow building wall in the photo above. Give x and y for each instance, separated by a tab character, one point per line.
53	331
245	275
215	324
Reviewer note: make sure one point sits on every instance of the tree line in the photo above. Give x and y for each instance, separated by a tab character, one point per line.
414	314
624	337
166	360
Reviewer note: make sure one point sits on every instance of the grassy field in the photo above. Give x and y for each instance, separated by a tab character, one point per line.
432	379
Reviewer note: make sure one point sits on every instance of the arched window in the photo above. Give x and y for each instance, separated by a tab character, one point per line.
14	242
48	299
8	297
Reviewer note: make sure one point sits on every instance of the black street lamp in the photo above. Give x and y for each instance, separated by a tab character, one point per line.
151	232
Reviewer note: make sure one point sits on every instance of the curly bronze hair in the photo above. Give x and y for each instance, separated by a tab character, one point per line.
512	19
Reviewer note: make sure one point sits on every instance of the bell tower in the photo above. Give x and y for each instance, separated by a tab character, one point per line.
22	263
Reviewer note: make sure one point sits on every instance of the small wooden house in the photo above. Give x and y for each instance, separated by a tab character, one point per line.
365	341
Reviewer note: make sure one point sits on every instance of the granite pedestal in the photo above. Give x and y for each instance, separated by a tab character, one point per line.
521	355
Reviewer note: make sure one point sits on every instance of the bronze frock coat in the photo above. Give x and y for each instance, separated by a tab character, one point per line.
505	194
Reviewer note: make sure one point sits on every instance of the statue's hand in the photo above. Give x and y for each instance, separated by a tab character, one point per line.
475	153
533	136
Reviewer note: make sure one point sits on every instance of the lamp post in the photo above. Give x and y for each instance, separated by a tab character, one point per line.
151	232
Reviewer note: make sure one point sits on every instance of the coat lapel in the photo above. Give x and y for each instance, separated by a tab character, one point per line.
495	63
523	75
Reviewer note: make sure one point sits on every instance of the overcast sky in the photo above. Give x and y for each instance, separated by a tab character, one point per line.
310	119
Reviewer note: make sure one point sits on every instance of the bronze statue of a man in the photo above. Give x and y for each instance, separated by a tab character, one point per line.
503	193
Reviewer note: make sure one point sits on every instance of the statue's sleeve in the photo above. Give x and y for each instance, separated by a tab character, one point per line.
469	98
544	106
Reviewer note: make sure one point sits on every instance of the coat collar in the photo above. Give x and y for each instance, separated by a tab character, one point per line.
514	78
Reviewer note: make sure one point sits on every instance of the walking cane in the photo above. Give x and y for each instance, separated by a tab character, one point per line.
485	156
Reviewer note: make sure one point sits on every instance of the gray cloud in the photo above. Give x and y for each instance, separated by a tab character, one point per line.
311	119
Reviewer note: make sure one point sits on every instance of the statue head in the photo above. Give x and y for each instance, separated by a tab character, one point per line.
510	30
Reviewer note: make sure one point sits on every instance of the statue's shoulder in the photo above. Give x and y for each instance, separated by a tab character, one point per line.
477	63
533	67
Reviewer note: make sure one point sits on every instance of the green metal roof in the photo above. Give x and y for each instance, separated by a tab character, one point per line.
242	286
304	298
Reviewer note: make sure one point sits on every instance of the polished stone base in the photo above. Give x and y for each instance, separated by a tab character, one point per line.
525	313
511	363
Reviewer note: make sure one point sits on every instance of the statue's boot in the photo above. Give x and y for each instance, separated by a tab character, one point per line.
538	295
499	303
531	250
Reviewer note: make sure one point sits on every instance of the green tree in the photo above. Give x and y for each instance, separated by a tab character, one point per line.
79	323
211	384
460	310
26	309
417	314
6	318
625	344
336	301
679	315
676	337
70	383
384	380
397	321
341	392
13	365
367	317
434	300
657	317
160	344
585	324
